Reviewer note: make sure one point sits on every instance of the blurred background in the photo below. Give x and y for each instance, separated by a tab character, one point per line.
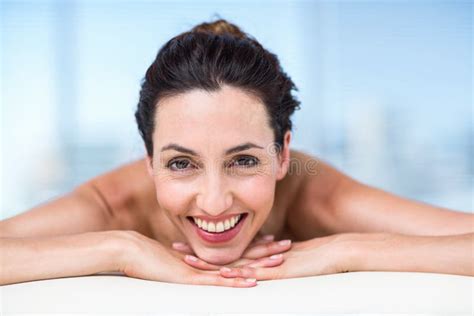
385	86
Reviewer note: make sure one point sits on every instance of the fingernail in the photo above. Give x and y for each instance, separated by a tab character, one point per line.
192	258
178	244
268	237
284	242
225	269
251	280
274	257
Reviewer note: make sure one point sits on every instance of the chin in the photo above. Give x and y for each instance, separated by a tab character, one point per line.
220	257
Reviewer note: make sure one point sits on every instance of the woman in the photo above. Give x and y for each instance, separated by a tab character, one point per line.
219	183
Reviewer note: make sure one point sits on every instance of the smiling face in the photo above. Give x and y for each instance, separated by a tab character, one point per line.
214	159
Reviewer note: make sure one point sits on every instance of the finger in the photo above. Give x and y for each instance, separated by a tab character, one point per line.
182	247
199	263
267	249
243	262
262	240
272	273
217	279
272	261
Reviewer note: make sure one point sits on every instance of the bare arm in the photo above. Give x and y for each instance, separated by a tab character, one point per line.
381	231
58	238
28	259
75	234
361	207
331	202
395	252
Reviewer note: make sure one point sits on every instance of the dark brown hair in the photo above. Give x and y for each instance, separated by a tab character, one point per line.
211	55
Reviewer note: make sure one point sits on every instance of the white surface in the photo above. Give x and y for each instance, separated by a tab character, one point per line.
359	292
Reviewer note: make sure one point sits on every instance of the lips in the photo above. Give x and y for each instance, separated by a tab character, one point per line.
215	237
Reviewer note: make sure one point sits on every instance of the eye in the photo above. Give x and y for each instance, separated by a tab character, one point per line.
178	164
246	161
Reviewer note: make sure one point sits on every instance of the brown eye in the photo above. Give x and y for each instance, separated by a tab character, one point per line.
246	162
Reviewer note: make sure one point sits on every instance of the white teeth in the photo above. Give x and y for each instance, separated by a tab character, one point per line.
211	227
219	226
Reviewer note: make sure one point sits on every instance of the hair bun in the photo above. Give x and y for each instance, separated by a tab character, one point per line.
220	27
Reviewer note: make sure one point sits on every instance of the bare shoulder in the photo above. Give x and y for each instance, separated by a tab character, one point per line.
314	176
331	202
129	192
117	199
319	178
316	181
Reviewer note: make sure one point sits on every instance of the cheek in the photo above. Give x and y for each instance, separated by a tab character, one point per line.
172	196
257	193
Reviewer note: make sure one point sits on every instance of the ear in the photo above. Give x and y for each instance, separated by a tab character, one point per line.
149	165
284	157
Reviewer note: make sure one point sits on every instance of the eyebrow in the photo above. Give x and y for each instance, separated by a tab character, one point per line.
241	147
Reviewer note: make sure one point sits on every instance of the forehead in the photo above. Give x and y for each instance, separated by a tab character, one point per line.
229	113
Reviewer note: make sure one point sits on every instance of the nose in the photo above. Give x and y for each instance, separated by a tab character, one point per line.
214	196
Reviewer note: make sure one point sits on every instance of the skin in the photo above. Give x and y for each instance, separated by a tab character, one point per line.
130	219
211	183
206	186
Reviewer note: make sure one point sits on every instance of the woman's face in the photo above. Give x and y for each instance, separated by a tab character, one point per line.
214	159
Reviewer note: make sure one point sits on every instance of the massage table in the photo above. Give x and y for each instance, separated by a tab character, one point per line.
353	292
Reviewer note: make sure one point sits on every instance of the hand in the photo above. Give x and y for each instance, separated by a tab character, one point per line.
324	255
146	258
262	252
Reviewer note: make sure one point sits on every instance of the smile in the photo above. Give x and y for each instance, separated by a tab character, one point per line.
218	231
217	227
